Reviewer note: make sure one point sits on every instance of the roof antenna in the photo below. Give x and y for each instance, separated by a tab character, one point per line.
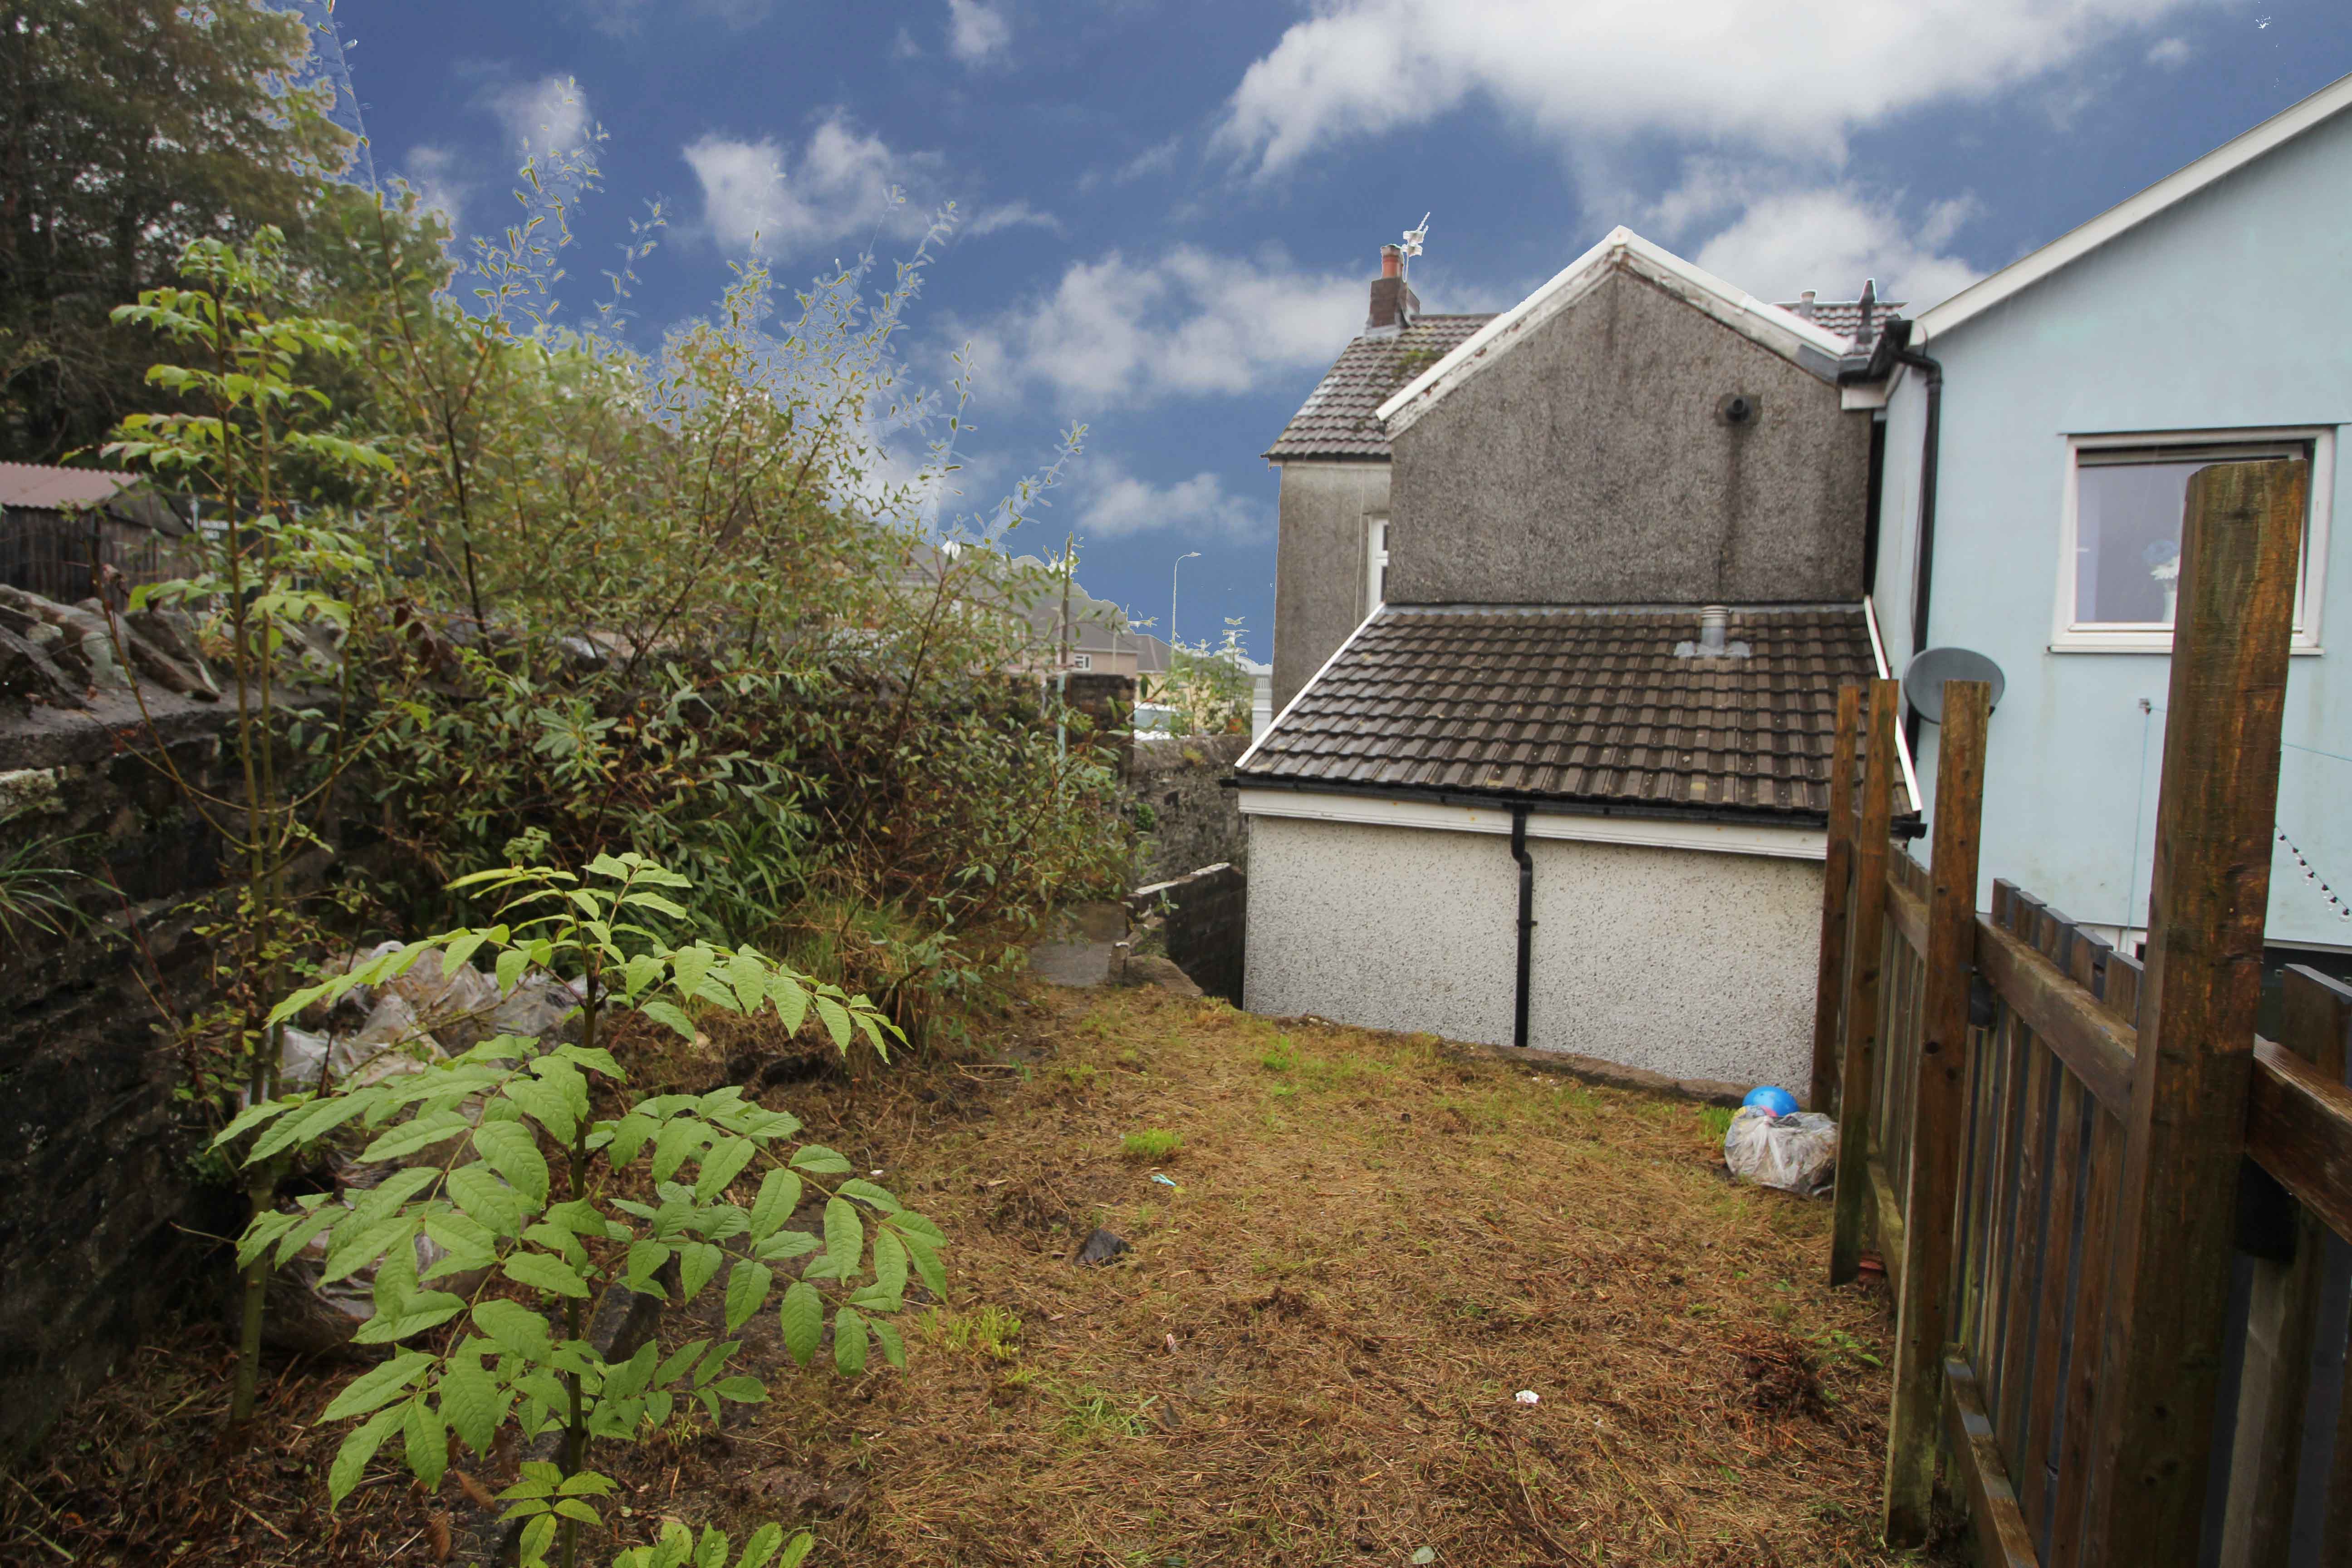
1412	247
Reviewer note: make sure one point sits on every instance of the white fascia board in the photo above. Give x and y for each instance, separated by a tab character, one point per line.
1866	394
1646	832
1902	746
2069	248
1300	695
1782	332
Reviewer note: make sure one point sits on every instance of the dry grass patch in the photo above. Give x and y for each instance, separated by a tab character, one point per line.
1368	1245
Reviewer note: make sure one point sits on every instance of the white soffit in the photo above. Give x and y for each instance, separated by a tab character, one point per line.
1782	332
2067	249
1647	832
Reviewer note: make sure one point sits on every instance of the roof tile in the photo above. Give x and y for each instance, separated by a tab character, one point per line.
1339	418
1578	703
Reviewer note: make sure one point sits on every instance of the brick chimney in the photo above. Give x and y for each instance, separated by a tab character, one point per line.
1394	304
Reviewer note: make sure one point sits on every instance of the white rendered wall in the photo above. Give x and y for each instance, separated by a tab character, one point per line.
1687	962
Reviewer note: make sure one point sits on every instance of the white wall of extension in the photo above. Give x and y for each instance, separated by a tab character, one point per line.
1687	962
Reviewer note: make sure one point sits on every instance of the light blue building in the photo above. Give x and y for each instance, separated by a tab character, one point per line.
2208	318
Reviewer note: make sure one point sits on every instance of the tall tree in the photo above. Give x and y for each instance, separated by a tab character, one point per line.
128	129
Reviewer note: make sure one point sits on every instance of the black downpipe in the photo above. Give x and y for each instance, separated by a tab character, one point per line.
1526	923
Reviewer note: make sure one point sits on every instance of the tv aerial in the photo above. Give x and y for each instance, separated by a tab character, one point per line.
1924	678
1412	241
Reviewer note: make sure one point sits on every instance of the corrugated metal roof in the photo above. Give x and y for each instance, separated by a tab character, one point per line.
39	485
1338	417
1578	704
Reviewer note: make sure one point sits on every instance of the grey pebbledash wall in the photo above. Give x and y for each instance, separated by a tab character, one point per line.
96	1195
1592	464
1194	820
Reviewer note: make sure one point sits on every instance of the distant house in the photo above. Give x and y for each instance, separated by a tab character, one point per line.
63	529
2076	390
1590	679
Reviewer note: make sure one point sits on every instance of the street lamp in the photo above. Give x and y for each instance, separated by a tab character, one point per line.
1172	570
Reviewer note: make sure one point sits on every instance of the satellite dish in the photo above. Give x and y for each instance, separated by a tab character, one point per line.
1924	678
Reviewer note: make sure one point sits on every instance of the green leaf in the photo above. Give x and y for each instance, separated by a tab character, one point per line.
696	1262
512	963
641	971
377	1387
787	1243
546	1273
490	1202
836	1022
747	1292
513	1327
722	1166
253	1116
629	1135
514	1155
681	1361
358	1448
927	1266
867	1192
645	1259
801	1319
742	1390
761	1547
845	1236
420	1133
800	1546
428	1310
670	1015
264	1229
472	1403
749	977
849	1341
894	1349
681	1136
314	1122
780	1194
544	1103
688	965
818	1160
427	1442
889	1263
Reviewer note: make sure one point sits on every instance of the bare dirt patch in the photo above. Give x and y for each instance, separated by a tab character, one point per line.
1365	1247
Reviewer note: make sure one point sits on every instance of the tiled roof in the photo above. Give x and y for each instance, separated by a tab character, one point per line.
1576	703
1338	418
1843	316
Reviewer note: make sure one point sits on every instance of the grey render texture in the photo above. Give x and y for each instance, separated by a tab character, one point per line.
1594	464
1321	582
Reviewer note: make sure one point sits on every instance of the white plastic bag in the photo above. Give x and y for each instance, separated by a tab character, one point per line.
1797	1153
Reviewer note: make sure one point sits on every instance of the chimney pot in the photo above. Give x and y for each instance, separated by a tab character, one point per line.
1714	621
1805	304
1391	261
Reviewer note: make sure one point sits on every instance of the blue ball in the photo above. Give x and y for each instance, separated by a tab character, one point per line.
1772	1100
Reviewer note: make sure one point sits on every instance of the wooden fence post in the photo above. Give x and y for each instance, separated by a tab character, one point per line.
1937	1112
2160	1350
1864	956
1837	885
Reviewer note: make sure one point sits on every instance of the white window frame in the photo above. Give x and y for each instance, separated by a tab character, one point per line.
1082	662
2070	635
1376	560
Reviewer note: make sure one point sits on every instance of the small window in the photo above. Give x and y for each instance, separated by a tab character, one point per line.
1082	662
2120	569
1376	563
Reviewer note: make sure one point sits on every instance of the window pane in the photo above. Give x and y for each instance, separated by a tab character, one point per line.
2128	540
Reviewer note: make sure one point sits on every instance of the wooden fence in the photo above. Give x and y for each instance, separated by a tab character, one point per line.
2115	1222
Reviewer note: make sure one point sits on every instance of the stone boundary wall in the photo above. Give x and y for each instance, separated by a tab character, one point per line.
97	1180
1187	817
1203	919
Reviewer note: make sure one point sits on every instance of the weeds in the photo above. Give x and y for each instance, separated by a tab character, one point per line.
1152	1144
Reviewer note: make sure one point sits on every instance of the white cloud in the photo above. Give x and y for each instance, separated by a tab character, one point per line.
844	184
1187	323
1010	215
977	32
904	48
433	174
2169	53
550	115
1790	79
1832	238
1112	502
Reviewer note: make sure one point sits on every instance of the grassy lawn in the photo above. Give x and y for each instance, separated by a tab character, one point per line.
1310	1354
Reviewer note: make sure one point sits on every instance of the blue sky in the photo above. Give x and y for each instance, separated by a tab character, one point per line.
1170	213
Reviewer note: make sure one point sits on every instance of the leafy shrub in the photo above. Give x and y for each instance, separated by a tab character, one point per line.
469	1141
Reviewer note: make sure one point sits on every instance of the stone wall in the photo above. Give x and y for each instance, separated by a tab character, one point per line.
96	1179
1203	923
1189	819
